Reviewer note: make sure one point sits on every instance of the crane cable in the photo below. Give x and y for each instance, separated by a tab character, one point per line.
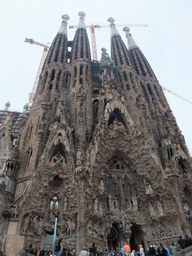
175	94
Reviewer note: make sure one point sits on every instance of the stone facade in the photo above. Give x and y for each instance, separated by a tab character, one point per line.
101	138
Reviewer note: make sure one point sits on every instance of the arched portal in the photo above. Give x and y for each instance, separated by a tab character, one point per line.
112	235
137	237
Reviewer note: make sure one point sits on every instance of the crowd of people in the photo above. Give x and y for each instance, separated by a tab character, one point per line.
161	250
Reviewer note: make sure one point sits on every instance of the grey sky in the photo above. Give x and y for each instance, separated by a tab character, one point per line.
166	43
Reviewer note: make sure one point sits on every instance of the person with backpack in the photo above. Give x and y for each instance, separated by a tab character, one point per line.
161	250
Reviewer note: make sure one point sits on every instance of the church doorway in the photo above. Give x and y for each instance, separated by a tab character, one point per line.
112	235
137	237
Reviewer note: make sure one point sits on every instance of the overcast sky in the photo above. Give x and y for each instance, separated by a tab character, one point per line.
166	43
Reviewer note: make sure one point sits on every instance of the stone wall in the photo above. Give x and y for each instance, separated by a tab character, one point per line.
186	252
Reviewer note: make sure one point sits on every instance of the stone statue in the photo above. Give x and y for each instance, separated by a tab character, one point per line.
116	205
100	210
89	228
26	224
129	206
101	187
40	226
148	188
135	203
54	208
151	209
111	204
160	208
36	225
65	204
96	205
70	226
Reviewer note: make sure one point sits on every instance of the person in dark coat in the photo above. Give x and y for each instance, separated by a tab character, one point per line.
181	242
30	249
41	252
152	251
188	241
63	253
58	246
94	250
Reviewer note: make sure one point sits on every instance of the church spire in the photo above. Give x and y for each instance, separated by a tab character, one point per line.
130	40
138	59
63	27
112	26
80	47
81	20
119	52
51	77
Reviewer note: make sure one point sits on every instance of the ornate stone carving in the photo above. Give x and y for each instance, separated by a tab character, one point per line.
160	208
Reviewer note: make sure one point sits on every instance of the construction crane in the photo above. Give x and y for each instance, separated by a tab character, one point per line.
175	94
46	47
93	38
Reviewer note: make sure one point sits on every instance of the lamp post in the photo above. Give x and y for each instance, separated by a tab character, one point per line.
54	209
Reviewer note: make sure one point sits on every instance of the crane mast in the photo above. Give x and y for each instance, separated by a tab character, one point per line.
46	47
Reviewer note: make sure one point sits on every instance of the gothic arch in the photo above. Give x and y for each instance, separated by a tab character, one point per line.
121	111
116	114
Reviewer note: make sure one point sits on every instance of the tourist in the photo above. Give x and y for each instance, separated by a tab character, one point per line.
133	253
93	249
188	241
152	251
30	249
181	242
161	250
127	249
63	253
73	253
58	246
141	250
168	252
122	253
84	252
173	249
41	252
89	252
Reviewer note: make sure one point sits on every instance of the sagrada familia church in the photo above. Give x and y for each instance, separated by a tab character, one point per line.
99	151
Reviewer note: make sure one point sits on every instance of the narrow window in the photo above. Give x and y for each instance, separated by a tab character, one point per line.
144	92
75	71
52	75
131	77
81	70
58	76
149	89
125	76
128	87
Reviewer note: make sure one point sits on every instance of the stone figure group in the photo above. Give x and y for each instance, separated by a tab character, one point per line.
32	224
